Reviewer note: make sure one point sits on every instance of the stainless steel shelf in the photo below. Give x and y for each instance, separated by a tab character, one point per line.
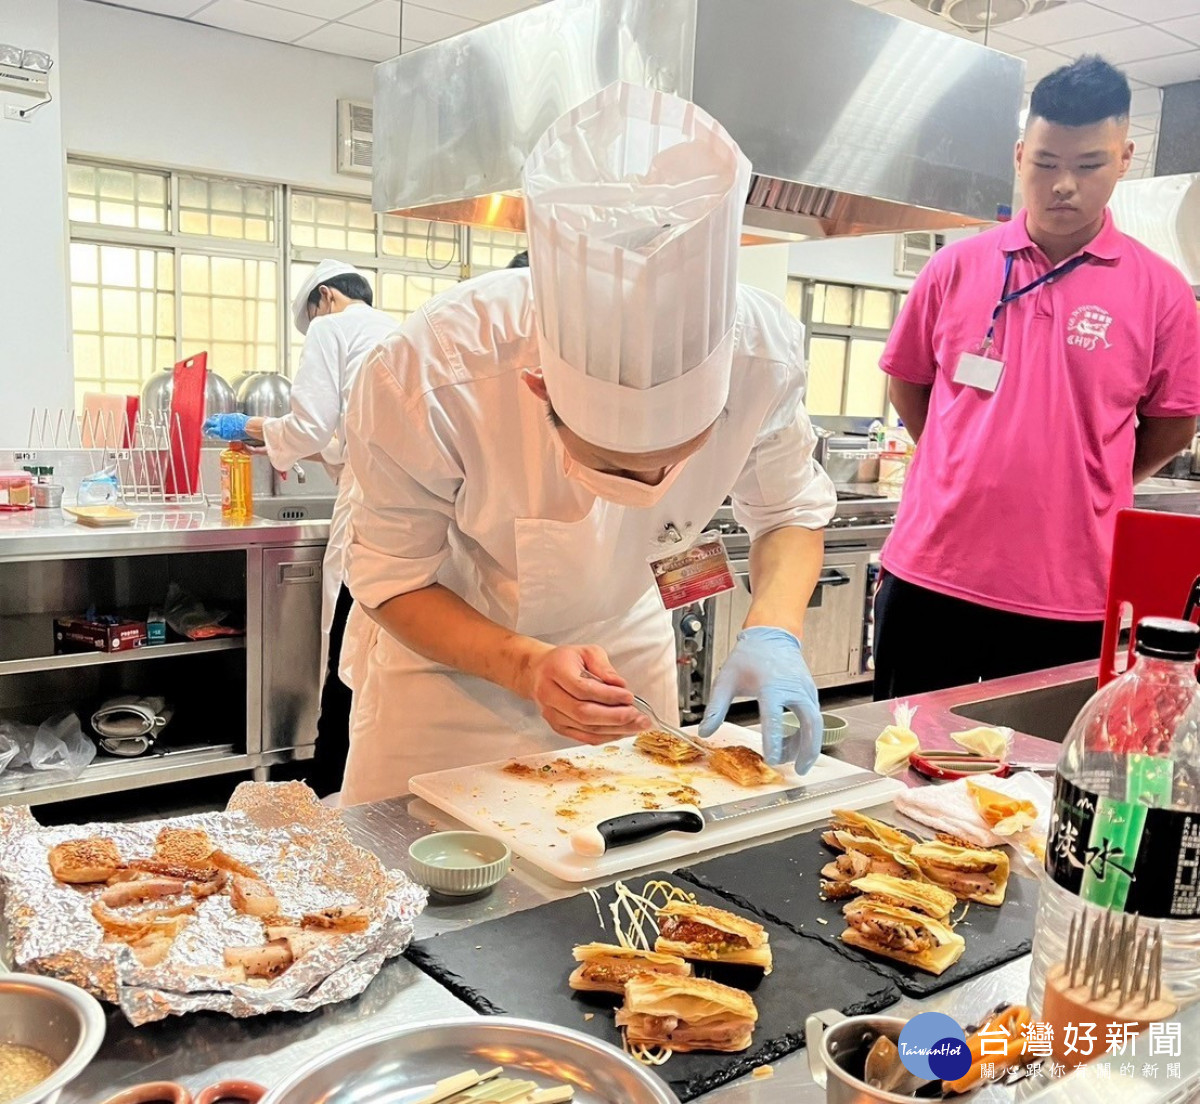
106	774
35	664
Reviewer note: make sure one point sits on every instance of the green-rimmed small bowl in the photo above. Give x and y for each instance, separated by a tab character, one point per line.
459	864
835	728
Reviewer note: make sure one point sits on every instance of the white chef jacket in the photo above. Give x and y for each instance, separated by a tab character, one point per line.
459	479
333	351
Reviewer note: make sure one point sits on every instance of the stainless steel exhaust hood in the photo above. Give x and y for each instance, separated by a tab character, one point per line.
856	122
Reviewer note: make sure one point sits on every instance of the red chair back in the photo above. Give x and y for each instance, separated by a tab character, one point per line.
1155	571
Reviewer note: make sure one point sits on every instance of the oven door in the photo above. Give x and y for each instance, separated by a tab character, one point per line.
833	624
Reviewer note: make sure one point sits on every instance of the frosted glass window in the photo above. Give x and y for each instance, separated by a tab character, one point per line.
874	309
331	222
166	264
826	375
492	249
427	244
833	304
229	307
794	300
109	195
866	390
226	208
122	315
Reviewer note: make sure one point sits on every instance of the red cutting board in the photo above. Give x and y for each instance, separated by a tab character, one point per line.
187	418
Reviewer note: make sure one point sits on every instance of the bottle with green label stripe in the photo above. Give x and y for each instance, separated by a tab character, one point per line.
1125	821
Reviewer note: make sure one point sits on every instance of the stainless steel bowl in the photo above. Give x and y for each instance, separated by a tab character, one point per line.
401	1065
264	395
60	1020
157	390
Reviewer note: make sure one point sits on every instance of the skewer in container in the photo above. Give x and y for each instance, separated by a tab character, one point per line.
1112	974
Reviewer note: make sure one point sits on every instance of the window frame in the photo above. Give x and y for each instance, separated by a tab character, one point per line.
848	333
282	252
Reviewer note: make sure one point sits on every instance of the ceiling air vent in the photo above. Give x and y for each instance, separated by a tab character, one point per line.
977	15
354	138
914	250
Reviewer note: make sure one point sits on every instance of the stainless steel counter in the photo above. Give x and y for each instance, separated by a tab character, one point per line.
268	572
199	1049
48	534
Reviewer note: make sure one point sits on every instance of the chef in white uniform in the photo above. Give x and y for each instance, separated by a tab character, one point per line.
522	449
332	308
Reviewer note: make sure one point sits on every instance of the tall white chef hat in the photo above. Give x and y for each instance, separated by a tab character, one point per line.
633	208
326	270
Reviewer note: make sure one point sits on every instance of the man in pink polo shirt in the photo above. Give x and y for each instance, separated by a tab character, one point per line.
1044	366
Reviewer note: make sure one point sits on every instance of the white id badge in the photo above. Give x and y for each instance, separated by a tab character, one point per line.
978	370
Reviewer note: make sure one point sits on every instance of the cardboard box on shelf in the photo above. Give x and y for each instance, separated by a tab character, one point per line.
77	634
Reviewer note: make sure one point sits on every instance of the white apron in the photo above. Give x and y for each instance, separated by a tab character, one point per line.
412	717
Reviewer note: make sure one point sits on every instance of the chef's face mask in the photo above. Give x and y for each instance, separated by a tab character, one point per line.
621	490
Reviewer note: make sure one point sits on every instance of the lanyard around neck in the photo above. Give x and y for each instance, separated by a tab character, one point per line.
1007	296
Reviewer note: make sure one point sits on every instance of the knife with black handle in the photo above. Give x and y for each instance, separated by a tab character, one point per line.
620	831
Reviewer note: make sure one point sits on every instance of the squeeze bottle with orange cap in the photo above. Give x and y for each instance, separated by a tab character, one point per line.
237	495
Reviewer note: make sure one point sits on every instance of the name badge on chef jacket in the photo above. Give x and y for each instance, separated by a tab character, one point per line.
694	573
980	368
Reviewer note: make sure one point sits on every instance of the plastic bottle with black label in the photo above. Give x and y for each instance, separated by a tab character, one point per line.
1125	820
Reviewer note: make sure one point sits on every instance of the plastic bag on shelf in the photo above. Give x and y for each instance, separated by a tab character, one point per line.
21	736
9	748
189	617
57	746
61	746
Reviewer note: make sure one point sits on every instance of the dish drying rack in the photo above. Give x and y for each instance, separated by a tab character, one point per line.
142	452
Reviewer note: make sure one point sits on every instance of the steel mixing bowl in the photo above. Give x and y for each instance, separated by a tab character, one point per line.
264	395
158	389
404	1064
60	1020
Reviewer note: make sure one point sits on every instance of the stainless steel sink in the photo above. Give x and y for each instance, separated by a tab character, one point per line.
1047	712
295	507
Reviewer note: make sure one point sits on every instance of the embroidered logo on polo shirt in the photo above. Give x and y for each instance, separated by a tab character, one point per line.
1088	327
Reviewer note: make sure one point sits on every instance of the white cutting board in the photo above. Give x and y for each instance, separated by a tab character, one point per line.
536	812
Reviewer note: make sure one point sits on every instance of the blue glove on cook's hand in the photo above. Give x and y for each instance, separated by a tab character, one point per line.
228	427
766	664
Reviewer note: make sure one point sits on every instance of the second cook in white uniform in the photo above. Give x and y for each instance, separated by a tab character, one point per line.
522	448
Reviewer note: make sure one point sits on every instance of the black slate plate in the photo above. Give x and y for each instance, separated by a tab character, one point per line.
782	882
519	965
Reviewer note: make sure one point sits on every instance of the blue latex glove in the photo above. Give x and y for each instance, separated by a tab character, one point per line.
767	664
227	427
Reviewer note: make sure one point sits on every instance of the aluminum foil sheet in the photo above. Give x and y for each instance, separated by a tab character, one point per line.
300	848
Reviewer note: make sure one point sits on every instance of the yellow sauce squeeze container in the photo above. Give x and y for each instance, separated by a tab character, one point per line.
237	495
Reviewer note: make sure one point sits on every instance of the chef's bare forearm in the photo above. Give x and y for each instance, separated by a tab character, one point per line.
911	401
438	624
1158	441
784	567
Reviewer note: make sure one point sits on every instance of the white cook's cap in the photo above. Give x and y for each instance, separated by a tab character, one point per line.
326	270
633	210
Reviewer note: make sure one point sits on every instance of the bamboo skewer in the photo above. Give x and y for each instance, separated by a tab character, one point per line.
471	1087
